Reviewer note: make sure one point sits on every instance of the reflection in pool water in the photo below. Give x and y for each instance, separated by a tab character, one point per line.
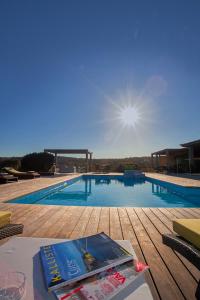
12	285
115	191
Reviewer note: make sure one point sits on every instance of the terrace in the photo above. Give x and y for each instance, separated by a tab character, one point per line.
170	277
179	160
168	159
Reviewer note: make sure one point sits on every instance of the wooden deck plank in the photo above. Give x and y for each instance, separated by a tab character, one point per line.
171	276
37	223
81	224
163	218
166	212
23	187
165	283
193	270
34	222
194	214
60	222
73	222
27	214
181	181
69	221
93	223
171	211
196	210
16	210
115	225
179	213
49	227
181	275
185	214
104	221
143	227
129	234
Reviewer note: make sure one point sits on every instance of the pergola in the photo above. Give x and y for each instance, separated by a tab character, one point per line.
169	155
88	154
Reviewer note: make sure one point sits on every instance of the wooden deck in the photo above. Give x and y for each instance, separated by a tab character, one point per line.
185	182
22	187
170	276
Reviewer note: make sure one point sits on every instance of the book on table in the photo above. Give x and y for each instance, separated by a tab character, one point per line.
68	262
114	283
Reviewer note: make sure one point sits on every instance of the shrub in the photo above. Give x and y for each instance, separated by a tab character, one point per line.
40	162
122	167
131	167
13	163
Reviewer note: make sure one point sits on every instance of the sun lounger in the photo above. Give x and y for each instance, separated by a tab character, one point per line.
22	175
4	218
187	242
5	178
10	230
7	229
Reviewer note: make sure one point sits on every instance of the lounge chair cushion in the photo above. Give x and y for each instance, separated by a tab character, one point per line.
4	215
189	229
4	218
4	222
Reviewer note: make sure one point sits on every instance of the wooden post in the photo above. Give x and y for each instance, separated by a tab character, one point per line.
167	158
157	161
86	156
191	156
152	161
90	163
55	161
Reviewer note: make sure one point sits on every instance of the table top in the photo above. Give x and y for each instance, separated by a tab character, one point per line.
21	254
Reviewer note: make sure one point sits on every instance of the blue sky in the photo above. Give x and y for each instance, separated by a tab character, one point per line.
69	68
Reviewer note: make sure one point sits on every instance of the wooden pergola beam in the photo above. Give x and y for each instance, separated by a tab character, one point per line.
86	152
67	151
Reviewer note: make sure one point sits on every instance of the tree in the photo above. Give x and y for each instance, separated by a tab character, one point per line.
13	163
40	162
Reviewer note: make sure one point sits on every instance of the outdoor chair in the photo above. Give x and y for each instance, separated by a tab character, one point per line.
5	178
10	230
6	228
187	242
21	175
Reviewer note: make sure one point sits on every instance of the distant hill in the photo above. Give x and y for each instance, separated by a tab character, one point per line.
10	158
66	164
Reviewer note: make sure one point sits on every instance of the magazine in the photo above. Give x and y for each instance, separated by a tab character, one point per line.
105	285
67	262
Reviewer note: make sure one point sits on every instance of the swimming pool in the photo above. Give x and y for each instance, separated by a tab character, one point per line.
103	190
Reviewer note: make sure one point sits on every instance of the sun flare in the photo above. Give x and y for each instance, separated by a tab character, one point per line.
129	116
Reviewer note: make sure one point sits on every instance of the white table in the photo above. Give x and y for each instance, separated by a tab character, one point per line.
21	254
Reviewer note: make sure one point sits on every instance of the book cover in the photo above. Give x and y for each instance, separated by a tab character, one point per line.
105	285
70	261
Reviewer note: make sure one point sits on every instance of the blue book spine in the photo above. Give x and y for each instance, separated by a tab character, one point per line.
52	271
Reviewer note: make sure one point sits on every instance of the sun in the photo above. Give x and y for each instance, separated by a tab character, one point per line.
129	116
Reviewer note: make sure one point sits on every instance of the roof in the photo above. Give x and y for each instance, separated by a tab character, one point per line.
67	151
168	150
191	143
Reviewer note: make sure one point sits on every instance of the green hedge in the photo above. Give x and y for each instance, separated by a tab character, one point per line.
40	162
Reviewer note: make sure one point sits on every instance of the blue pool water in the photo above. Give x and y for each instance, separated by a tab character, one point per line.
114	191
